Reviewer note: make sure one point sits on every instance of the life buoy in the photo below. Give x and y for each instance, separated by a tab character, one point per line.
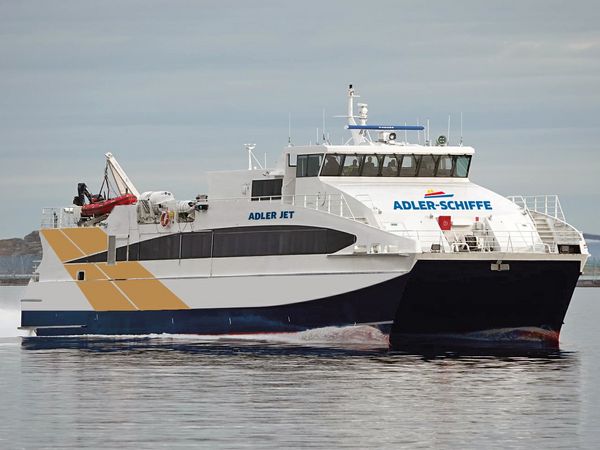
165	219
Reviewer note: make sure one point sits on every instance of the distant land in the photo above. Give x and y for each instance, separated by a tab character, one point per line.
592	237
18	256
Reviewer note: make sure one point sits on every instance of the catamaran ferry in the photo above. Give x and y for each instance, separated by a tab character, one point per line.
378	231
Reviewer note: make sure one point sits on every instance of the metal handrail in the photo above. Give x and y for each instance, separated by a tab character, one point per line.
57	218
335	204
490	241
548	205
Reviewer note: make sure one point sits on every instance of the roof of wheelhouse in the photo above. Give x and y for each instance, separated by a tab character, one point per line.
382	148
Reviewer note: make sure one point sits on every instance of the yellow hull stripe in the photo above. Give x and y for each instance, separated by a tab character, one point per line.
102	294
64	248
141	287
124	286
88	240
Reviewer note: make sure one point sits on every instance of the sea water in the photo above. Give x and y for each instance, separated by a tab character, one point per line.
328	388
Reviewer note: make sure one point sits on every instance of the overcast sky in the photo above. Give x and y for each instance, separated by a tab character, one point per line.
174	88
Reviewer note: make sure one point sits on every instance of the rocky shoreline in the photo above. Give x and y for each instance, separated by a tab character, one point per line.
18	258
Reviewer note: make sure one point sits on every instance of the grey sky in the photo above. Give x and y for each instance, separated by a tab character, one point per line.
174	88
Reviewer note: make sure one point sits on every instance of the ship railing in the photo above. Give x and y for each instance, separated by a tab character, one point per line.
335	204
437	241
58	218
548	205
547	215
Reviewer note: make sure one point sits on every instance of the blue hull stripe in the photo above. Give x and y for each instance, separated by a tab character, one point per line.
373	304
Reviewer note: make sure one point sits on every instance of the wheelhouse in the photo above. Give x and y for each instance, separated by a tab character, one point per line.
383	165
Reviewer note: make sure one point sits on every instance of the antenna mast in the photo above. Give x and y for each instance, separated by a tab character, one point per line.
357	137
461	130
249	148
324	137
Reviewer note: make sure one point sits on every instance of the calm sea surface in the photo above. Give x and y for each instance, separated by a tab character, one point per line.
320	389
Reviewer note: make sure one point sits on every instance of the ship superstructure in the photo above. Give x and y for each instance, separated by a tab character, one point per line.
378	231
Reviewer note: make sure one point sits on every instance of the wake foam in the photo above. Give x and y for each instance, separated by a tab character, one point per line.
10	320
10	312
356	335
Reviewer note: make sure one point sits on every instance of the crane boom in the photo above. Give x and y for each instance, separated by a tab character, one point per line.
124	184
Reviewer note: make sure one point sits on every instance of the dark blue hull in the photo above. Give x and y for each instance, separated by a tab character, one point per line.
436	297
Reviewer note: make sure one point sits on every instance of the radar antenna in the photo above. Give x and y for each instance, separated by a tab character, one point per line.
249	148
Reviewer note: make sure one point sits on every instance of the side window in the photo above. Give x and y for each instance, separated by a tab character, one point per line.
427	167
302	242
134	252
165	247
301	166
267	188
122	253
314	165
352	165
444	166
292	160
337	240
332	166
196	245
279	241
409	165
461	166
390	166
370	166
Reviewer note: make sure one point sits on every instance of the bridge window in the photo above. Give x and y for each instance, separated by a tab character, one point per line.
332	166
409	165
308	165
427	166
352	165
390	166
444	166
461	166
370	166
